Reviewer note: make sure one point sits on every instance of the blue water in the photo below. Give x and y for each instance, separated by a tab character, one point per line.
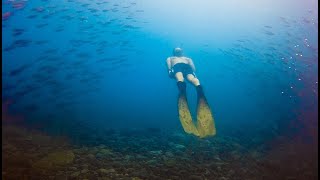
102	65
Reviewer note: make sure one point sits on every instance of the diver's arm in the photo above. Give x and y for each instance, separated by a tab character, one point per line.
191	64
169	67
169	64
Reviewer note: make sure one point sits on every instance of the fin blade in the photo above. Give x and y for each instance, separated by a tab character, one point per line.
205	121
185	116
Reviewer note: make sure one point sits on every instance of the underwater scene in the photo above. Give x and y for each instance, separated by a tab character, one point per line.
160	90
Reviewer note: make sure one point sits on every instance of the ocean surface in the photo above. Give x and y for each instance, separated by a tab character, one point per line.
86	92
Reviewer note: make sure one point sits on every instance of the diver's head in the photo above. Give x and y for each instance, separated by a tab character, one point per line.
177	52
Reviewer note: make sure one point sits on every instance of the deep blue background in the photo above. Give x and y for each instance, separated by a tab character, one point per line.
247	60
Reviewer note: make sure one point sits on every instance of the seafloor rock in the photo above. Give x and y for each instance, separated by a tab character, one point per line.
84	166
99	156
223	178
141	173
152	162
75	174
105	151
235	155
93	150
52	160
91	156
195	177
169	154
102	146
104	178
141	157
128	158
169	162
155	153
180	146
73	168
106	171
136	178
84	171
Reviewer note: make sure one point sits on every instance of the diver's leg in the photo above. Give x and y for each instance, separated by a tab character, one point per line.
179	77
195	81
205	121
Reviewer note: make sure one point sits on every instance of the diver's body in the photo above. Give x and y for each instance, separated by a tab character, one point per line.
181	67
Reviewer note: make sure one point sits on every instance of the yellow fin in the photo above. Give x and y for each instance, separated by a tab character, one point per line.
185	116
205	121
